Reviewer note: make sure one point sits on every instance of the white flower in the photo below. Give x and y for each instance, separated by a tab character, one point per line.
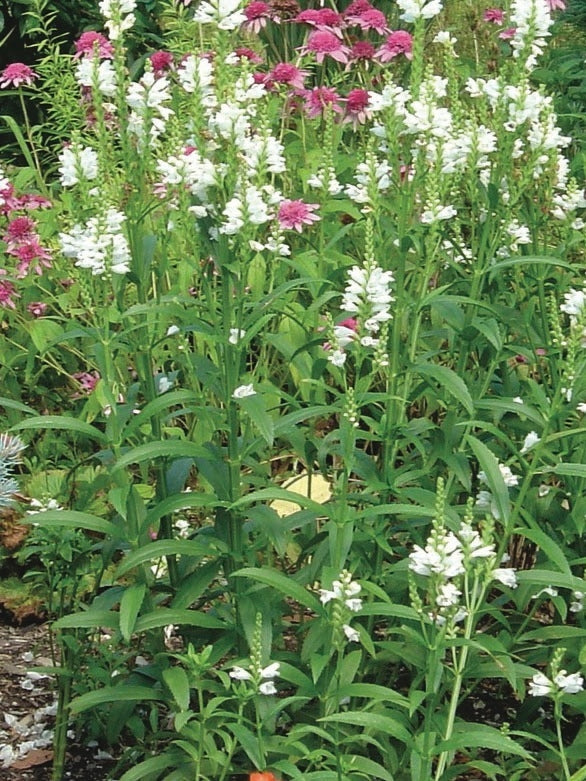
77	163
548	591
236	334
172	330
415	9
225	13
368	293
574	302
530	440
119	16
437	213
92	72
337	357
442	555
267	688
473	544
448	595
506	575
240	674
569	684
163	383
242	391
508	476
351	634
271	671
540	686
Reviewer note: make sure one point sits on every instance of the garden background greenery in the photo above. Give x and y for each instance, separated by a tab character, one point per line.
293	382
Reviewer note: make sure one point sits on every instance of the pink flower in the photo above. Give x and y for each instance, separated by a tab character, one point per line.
494	15
317	99
324	44
33	201
257	15
357	8
362	50
357	107
37	308
91	43
322	18
20	229
507	34
87	382
370	19
293	215
398	42
16	74
161	62
29	252
247	54
555	5
7	291
286	73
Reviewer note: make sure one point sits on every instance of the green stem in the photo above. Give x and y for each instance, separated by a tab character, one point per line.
558	729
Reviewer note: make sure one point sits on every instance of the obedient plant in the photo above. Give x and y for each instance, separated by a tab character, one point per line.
326	243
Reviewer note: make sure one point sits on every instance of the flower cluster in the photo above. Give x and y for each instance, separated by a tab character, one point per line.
10	449
100	245
345	600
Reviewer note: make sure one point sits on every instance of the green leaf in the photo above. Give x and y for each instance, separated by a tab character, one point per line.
255	408
272	494
178	683
543	577
88	619
494	478
164	449
528	260
43	331
574	470
152	765
10	404
154	407
282	583
110	694
471	735
375	721
370	768
182	501
130	605
160	548
448	379
60	422
75	520
167	616
548	546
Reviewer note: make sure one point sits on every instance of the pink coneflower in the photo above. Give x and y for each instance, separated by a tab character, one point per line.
293	215
7	291
357	7
161	62
325	44
16	74
257	15
29	252
357	107
362	50
93	42
33	201
494	15
398	42
247	54
318	99
507	34
37	308
322	18
286	73
20	229
556	5
87	382
370	19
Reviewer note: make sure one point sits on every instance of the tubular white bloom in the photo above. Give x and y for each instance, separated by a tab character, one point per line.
569	684
473	544
150	93
437	213
508	476
530	440
267	688
448	595
196	74
240	674
351	634
506	575
242	391
230	122
224	13
119	16
442	555
90	71
100	245
574	302
416	9
264	151
77	163
531	20
271	671
337	358
236	334
368	293
540	686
